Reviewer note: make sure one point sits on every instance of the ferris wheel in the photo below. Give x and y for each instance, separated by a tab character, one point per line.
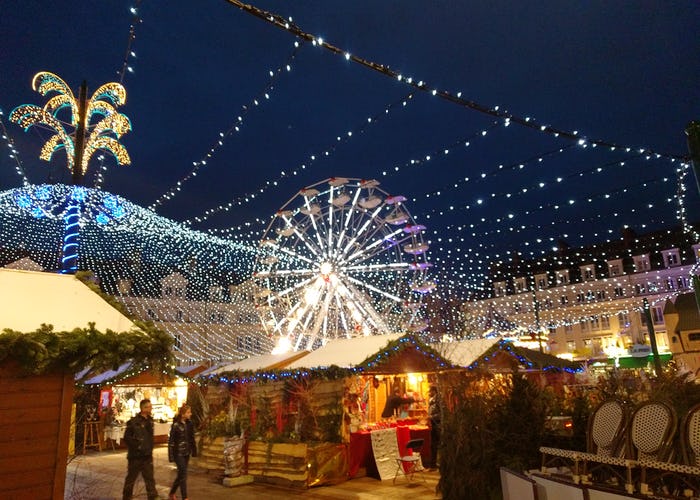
342	258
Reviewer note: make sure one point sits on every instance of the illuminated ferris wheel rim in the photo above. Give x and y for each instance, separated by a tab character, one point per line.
317	258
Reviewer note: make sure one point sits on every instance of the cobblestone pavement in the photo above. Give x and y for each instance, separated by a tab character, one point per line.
100	476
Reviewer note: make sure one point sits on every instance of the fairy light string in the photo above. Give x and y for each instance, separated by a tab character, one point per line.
520	165
311	161
424	86
14	154
444	151
261	97
554	205
130	54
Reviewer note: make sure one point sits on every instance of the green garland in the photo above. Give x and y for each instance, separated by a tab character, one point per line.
44	350
332	372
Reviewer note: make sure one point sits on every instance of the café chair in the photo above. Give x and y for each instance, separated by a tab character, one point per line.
410	464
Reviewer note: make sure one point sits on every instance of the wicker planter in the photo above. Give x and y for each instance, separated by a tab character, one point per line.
211	455
297	465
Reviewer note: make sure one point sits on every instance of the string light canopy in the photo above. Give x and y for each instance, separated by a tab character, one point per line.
424	86
312	160
256	101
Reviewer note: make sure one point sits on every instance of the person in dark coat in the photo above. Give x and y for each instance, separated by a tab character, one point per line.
139	441
181	446
393	403
435	416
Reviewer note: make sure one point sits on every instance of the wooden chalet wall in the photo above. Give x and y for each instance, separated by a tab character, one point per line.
35	417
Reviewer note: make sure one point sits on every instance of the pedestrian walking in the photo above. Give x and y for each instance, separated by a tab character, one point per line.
139	441
181	446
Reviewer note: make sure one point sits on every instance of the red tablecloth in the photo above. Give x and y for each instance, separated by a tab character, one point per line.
360	448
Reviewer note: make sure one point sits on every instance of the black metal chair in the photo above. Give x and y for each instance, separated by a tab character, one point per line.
410	464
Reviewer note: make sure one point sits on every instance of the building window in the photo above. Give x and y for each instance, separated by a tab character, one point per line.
600	295
595	324
640	288
605	323
693	337
588	274
178	315
619	291
571	345
614	269
587	342
541	283
683	282
548	304
580	297
641	263
568	327
584	326
178	341
564	300
563	278
672	258
657	315
624	320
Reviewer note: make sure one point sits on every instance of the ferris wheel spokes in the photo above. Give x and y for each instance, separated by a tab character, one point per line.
375	289
342	263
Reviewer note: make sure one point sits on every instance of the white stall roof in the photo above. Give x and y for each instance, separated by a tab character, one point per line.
30	298
101	378
464	352
345	353
262	362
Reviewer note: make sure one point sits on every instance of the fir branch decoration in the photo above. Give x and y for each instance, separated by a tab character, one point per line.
44	350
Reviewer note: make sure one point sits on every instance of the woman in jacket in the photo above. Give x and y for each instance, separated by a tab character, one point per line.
181	446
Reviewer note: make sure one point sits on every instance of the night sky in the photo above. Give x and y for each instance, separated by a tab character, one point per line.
620	72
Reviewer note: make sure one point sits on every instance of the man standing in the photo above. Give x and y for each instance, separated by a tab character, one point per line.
435	416
139	440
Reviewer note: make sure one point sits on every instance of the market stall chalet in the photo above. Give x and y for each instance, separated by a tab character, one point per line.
302	417
52	324
500	356
376	367
220	448
121	392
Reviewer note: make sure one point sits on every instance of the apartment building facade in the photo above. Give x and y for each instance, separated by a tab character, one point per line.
591	307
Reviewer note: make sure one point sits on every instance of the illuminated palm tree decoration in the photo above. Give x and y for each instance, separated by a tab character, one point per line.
96	126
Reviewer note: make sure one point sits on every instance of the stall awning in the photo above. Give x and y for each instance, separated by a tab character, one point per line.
255	363
345	353
464	352
30	298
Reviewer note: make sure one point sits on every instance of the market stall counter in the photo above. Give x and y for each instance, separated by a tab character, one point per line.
360	448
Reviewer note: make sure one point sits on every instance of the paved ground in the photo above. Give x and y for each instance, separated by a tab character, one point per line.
100	476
